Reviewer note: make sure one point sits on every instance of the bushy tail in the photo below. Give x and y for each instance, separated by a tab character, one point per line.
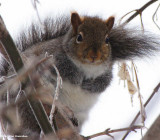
129	43
48	29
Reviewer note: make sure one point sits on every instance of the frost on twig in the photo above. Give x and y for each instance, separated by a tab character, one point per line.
59	79
56	94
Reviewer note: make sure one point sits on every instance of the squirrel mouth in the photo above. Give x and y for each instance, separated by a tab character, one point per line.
92	61
92	58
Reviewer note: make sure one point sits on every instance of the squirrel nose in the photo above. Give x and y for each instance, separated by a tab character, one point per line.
93	56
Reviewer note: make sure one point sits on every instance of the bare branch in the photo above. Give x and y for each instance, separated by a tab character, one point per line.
139	11
109	131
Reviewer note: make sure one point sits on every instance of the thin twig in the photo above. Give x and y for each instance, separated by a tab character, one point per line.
59	84
34	3
109	131
142	110
153	17
56	94
142	25
140	10
125	16
146	103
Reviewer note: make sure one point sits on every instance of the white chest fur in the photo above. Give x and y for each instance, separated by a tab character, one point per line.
78	100
91	70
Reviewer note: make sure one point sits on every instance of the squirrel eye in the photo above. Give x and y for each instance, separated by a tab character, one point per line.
107	40
79	38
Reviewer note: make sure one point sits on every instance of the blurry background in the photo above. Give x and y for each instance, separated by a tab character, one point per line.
114	109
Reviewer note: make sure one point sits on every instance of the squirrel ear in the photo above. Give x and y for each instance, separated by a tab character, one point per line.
110	22
76	21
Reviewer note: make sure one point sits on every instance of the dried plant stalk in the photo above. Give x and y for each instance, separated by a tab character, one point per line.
17	63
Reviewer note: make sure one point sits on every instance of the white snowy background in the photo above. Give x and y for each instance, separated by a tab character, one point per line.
114	109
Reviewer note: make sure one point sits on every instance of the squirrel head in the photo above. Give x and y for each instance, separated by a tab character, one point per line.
90	39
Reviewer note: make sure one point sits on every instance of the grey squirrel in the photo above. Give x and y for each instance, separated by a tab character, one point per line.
84	50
